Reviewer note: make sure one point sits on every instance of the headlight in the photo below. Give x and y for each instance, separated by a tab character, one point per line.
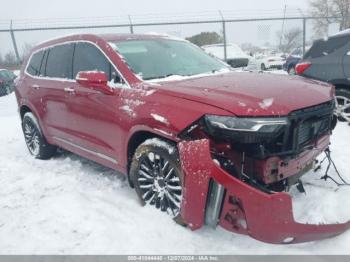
247	124
245	130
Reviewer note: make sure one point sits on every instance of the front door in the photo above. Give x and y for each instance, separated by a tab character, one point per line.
96	125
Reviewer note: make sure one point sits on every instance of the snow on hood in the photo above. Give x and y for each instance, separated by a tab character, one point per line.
252	94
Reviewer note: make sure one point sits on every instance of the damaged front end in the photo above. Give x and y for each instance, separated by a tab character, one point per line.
237	173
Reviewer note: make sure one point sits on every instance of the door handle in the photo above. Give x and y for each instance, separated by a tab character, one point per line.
36	87
69	90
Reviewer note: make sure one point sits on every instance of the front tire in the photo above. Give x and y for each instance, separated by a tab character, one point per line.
157	176
343	105
35	139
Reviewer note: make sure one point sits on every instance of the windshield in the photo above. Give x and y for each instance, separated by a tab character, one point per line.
161	58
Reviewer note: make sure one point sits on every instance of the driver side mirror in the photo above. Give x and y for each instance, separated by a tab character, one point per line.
95	80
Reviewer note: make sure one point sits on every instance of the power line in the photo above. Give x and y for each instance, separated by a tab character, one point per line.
145	18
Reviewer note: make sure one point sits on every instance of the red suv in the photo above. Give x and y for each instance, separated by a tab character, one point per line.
196	140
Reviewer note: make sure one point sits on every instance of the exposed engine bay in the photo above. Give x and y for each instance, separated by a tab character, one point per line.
268	153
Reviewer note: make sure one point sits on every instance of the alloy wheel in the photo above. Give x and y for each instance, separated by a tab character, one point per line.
32	138
159	184
342	109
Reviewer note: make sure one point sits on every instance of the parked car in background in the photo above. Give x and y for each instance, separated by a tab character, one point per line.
270	61
293	59
196	140
328	60
7	78
236	58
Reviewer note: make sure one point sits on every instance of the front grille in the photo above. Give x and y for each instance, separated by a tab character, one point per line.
307	125
304	127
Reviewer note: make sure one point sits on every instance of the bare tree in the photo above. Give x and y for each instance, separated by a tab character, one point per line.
250	48
26	48
205	38
343	7
10	59
326	9
290	39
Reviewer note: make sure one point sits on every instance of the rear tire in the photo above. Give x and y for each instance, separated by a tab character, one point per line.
343	105
157	176
263	67
35	139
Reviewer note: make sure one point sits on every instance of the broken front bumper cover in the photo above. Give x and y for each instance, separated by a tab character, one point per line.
245	209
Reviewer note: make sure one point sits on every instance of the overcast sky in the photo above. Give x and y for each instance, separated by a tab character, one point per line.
258	32
83	8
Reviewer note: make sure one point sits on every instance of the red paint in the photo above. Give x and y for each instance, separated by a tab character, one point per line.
103	120
246	210
95	80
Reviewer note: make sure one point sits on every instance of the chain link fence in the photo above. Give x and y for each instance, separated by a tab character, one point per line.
266	32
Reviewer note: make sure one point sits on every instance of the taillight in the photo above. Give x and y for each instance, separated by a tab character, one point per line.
271	60
301	67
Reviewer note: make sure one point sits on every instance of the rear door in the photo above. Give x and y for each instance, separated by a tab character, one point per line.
56	79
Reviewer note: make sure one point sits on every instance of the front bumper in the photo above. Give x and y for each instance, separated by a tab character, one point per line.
245	209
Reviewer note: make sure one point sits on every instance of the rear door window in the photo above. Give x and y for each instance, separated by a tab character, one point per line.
88	57
59	61
35	64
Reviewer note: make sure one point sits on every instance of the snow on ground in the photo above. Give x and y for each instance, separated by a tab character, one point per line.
69	205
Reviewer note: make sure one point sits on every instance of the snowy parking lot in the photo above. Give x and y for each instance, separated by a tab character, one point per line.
69	205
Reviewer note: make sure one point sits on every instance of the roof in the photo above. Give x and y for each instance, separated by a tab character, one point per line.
108	37
101	37
124	37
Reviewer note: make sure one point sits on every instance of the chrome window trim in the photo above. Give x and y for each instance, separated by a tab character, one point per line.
72	80
100	155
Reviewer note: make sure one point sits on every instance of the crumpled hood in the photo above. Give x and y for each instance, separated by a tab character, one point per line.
252	94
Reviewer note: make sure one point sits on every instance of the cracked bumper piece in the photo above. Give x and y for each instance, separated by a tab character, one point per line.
245	209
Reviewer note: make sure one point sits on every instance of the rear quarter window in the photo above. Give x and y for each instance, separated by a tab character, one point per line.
35	63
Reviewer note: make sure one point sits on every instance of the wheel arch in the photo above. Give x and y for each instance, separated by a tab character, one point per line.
27	107
341	86
24	109
136	139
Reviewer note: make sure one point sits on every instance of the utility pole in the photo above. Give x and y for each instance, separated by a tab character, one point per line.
283	21
224	34
14	44
131	25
